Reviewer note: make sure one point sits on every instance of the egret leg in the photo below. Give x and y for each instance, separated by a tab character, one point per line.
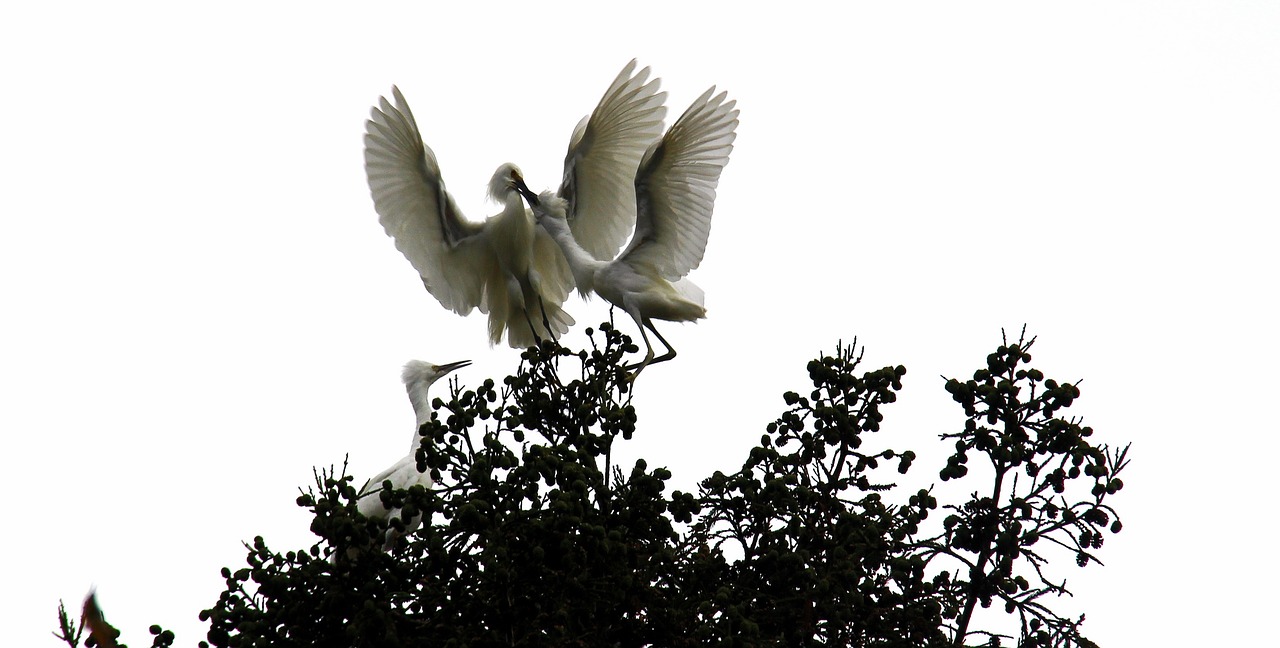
671	351
535	284
648	357
546	321
524	306
532	329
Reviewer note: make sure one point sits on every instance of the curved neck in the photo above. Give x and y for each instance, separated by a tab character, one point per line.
581	263
421	407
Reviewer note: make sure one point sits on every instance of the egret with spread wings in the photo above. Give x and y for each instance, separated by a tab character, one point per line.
507	266
675	192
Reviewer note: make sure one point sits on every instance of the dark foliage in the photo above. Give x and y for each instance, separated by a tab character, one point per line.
537	539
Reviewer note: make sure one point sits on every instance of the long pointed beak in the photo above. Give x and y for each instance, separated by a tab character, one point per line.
446	368
524	190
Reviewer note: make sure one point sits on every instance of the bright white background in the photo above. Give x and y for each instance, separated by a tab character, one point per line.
197	304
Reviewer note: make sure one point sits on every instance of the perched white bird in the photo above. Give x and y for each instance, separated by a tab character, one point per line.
675	191
418	377
507	266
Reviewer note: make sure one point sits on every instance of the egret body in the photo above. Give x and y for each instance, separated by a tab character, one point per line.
675	190
418	376
507	266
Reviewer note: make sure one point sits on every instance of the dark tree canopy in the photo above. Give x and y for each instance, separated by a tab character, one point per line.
538	539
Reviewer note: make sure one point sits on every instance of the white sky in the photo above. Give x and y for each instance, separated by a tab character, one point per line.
197	304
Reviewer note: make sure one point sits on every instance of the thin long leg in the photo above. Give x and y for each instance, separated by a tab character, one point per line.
647	345
671	351
518	297
546	321
529	293
532	329
535	287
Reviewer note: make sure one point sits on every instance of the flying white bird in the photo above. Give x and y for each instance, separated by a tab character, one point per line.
418	377
507	266
675	192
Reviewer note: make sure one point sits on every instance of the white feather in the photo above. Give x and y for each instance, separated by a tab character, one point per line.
674	190
603	155
418	376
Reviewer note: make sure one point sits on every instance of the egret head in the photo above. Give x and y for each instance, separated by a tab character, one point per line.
504	182
418	377
519	185
553	205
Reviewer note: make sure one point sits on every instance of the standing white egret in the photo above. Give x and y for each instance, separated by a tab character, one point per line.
507	266
675	192
418	376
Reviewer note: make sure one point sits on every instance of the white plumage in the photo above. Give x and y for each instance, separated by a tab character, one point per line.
418	376
507	266
675	191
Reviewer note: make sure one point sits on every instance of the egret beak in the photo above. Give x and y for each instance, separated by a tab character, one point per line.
524	190
446	368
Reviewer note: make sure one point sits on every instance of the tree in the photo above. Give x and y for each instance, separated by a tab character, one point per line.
538	539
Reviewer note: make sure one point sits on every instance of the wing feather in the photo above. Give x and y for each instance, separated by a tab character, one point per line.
675	187
548	264
603	155
416	210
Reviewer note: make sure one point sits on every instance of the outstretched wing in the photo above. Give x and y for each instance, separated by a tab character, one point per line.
676	187
416	210
603	155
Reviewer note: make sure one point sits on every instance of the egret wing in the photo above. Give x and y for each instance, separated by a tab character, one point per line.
402	474
675	187
551	268
603	155
416	210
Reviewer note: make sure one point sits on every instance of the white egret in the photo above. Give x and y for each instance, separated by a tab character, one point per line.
675	192
418	376
507	266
